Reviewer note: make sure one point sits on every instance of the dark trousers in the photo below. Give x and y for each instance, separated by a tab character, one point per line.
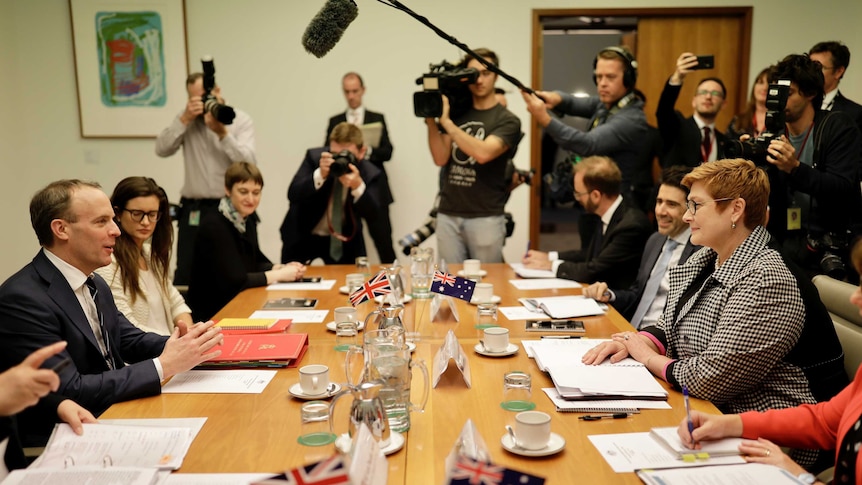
381	234
192	212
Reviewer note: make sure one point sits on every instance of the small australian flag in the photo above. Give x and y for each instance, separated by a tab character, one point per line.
471	472
449	285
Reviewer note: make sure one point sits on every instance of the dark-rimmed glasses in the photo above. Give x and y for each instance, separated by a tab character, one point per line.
138	216
692	205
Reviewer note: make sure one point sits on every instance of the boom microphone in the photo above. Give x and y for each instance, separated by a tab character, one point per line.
326	28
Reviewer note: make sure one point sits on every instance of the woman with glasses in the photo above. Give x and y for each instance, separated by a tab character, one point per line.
734	310
138	273
227	258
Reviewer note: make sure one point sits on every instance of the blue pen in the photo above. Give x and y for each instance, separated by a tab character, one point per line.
528	249
688	413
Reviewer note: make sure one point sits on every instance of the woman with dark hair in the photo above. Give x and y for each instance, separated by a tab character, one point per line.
138	273
752	120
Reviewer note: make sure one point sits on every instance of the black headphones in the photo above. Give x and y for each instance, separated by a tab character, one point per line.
630	66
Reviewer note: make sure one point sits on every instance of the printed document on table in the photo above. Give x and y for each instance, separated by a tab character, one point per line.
627	452
525	272
194	424
544	284
568	353
95	475
303	285
720	475
222	381
295	316
214	478
564	306
522	313
611	405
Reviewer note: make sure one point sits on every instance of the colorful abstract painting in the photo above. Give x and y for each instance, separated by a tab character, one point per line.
131	59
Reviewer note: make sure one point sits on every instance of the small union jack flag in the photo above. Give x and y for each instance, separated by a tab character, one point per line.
376	286
452	285
471	472
327	472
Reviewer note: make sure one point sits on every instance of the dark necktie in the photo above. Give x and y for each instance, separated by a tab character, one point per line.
91	285
654	282
706	144
598	238
336	247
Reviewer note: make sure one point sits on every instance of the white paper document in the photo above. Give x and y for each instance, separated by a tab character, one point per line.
525	272
296	316
568	353
214	478
301	285
669	438
563	306
627	452
544	284
222	381
107	445
90	475
522	313
194	424
603	406
747	474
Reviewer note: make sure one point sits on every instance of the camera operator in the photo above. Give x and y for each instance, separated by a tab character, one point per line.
472	151
209	148
814	168
333	189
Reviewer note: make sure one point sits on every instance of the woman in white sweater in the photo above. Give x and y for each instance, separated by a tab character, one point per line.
138	273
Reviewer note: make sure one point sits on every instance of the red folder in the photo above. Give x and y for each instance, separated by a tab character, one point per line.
266	349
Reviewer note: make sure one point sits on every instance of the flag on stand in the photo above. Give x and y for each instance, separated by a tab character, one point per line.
468	471
456	286
376	286
331	471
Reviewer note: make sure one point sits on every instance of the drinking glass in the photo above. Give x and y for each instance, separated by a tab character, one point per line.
346	328
517	392
421	271
486	315
316	428
363	266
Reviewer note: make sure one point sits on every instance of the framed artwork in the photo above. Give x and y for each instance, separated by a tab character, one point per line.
130	65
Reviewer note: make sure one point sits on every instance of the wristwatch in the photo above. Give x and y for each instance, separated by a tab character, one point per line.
807	478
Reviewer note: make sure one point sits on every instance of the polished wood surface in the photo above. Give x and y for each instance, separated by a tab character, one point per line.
257	433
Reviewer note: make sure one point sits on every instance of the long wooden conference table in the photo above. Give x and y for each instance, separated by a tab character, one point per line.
258	432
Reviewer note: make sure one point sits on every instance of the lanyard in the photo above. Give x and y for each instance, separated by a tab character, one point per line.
804	140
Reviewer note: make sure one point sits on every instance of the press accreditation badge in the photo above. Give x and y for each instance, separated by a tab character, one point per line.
194	218
794	218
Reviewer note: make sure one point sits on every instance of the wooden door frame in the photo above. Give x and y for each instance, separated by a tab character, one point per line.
745	13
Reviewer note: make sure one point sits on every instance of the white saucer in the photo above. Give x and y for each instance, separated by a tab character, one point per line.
555	445
411	346
510	350
396	442
331	326
296	391
494	299
480	274
343	289
404	299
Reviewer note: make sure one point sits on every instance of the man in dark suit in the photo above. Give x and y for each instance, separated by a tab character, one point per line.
328	199
613	231
356	114
835	57
673	234
56	297
693	140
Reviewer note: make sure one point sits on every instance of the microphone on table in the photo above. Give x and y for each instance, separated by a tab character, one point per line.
327	27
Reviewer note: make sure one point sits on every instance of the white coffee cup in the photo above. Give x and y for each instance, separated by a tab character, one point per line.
314	379
496	339
472	267
532	430
483	293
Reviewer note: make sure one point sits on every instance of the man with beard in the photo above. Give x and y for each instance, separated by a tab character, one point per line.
693	140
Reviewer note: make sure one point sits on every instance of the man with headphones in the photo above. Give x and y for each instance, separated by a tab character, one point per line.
617	122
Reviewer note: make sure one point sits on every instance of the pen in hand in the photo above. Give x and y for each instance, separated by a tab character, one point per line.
688	414
527	253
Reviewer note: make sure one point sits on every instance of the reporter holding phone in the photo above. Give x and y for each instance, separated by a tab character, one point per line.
693	140
227	257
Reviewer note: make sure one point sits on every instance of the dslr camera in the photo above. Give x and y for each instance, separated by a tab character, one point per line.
829	247
341	163
444	78
222	112
754	149
423	232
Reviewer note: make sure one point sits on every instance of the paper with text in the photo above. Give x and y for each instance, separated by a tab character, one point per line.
749	473
223	381
295	316
90	475
525	272
627	452
544	284
301	285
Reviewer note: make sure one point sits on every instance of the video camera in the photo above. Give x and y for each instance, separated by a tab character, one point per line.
222	112
444	78
341	163
754	149
829	247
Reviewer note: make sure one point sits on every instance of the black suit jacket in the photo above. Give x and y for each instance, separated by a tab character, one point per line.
627	301
308	206
38	308
379	154
681	138
620	251
853	109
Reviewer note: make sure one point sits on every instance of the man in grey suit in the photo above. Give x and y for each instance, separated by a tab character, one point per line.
643	302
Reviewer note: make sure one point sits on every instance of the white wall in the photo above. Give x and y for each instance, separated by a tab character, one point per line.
290	94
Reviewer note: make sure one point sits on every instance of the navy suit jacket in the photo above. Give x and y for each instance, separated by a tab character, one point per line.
627	301
38	308
853	109
681	138
620	252
379	154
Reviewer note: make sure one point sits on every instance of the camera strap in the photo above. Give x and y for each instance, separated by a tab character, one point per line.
340	202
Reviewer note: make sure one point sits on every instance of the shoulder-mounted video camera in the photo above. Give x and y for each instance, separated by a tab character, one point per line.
222	112
444	78
754	149
341	163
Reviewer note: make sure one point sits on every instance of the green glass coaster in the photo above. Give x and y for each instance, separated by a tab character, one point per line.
518	406
316	439
483	326
342	348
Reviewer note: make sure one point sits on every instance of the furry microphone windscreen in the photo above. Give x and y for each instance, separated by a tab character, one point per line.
327	27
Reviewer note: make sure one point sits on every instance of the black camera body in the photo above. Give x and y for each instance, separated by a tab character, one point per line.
754	149
222	112
829	247
444	78
341	163
423	232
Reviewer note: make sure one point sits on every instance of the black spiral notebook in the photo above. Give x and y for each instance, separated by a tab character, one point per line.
290	303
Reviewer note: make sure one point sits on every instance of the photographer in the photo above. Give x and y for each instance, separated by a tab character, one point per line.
472	150
333	188
209	148
813	173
